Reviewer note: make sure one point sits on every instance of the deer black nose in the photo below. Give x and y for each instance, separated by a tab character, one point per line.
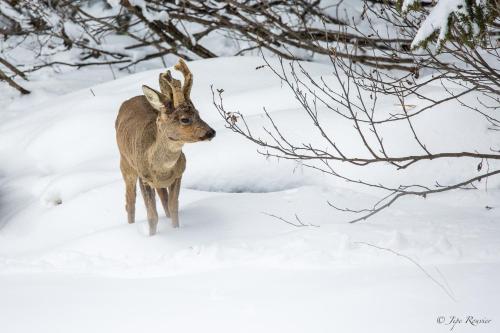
210	134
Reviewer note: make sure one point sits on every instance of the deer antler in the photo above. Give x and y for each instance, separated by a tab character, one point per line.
172	88
188	78
176	88
165	87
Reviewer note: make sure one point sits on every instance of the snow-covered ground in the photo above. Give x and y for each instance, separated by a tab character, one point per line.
69	262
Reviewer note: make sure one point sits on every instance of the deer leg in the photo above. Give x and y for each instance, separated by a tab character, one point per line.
173	202
163	194
130	178
148	193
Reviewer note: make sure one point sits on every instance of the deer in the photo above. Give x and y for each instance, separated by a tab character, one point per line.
151	130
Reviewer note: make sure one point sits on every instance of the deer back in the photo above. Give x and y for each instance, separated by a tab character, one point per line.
135	128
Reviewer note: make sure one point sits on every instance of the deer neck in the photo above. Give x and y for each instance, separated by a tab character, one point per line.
164	152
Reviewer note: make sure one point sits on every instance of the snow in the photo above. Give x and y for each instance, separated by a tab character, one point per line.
407	4
155	16
70	262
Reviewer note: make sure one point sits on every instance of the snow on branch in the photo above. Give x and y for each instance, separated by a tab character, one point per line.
468	16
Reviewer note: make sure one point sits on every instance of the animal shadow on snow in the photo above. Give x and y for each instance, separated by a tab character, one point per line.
199	217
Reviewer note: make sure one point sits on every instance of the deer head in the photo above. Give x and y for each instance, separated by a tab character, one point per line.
177	118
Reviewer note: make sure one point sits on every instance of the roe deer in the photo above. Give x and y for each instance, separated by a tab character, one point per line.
150	131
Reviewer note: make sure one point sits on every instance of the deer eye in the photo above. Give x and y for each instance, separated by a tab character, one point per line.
186	121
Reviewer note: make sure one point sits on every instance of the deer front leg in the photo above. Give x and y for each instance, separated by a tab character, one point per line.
163	194
130	178
148	193
173	202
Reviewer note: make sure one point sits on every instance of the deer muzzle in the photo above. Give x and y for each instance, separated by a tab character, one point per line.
209	135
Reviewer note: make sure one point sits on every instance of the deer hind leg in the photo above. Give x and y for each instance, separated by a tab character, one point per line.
130	178
163	194
173	202
148	193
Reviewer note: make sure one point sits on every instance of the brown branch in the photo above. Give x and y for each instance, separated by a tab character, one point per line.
12	68
398	195
12	83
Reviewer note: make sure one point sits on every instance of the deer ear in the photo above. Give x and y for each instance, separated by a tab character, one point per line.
157	100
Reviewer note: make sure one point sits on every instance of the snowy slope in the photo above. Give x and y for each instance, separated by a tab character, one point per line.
69	262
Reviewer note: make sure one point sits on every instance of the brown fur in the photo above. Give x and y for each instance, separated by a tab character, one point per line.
150	132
